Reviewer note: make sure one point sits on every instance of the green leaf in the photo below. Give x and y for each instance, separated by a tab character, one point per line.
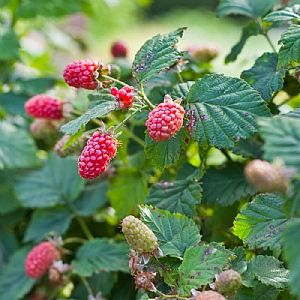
225	186
252	29
34	86
282	139
200	264
291	244
91	199
8	244
244	293
249	148
97	111
101	255
9	44
156	55
17	148
28	9
57	182
239	264
249	8
293	113
182	90
179	196
264	77
14	283
167	153
289	52
13	103
266	292
127	189
292	203
175	232
46	220
268	270
284	15
261	222
221	110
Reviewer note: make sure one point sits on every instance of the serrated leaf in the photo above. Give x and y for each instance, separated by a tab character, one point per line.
289	52
57	182
261	222
264	77
221	110
127	189
282	139
293	113
225	186
156	55
97	111
252	29
182	90
46	220
200	264
8	244
167	153
292	203
244	293
268	270
266	292
14	283
239	264
175	232
9	44
249	148
101	255
284	15
291	244
17	148
249	8
179	196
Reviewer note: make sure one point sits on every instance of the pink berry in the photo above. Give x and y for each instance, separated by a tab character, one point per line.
119	49
127	89
114	91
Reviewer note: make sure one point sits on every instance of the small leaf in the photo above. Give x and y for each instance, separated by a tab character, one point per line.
284	15
239	264
57	182
46	220
268	270
200	264
291	246
127	189
14	283
179	196
282	139
175	232
252	29
156	55
249	8
261	222
225	186
222	110
17	148
167	153
97	111
182	90
101	255
289	52
264	77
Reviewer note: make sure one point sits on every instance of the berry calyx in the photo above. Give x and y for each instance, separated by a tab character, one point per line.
165	120
123	96
96	155
44	106
227	283
118	49
40	258
83	74
139	236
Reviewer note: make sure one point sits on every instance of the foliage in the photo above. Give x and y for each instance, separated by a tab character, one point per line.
205	215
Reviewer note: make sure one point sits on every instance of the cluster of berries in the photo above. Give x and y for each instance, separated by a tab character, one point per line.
123	96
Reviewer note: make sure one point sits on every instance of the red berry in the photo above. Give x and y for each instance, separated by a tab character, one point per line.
127	89
40	258
165	120
122	94
82	74
114	91
44	106
119	49
96	155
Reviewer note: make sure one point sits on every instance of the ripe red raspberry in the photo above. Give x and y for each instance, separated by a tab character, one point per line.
96	155
165	120
44	106
40	258
82	74
119	49
124	96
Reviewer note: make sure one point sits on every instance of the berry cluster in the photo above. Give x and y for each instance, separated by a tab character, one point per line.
96	155
44	106
82	74
123	96
40	258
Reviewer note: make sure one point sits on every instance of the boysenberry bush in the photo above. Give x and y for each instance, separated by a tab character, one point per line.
171	181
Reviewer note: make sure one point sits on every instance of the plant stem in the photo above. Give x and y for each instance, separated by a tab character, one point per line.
87	286
180	78
114	79
143	95
225	152
266	35
74	240
84	228
164	296
132	113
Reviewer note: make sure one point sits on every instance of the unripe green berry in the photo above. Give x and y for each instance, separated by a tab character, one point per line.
228	282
